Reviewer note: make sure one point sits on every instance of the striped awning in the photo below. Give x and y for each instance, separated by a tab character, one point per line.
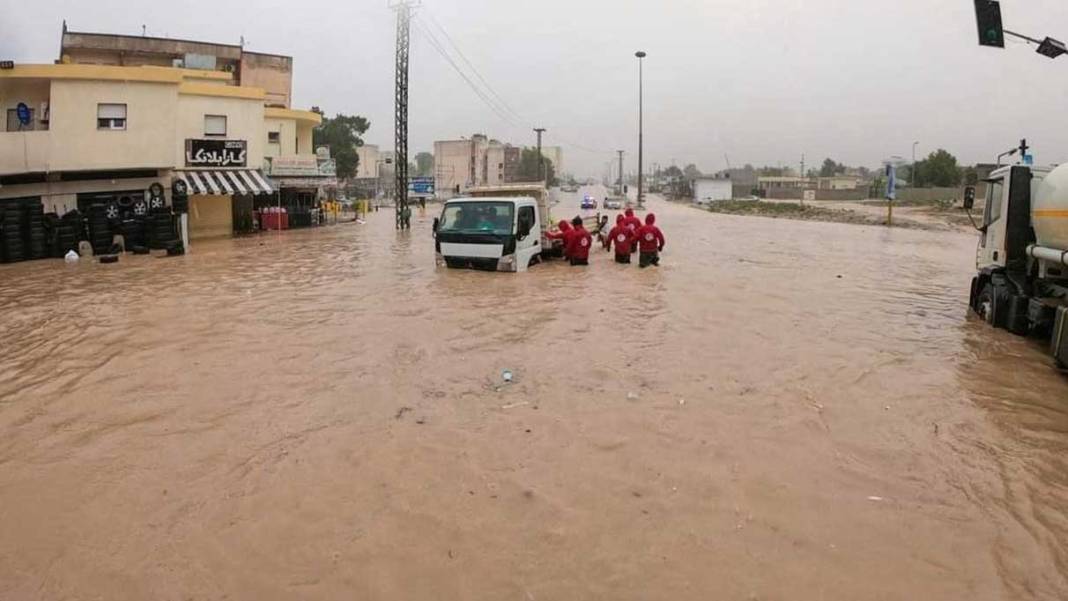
228	182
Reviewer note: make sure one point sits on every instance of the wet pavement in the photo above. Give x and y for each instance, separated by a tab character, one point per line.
782	410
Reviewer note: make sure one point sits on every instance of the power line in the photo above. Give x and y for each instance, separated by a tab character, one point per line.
474	69
471	84
489	96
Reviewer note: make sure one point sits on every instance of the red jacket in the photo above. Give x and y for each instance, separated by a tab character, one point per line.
631	221
565	229
622	237
650	238
578	243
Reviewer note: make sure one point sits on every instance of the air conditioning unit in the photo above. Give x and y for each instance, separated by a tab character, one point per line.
178	63
229	68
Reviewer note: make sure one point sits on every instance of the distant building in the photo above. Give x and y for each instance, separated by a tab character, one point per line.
840	182
502	163
773	183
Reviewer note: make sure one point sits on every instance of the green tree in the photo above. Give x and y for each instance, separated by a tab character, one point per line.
691	171
343	135
831	168
672	171
938	169
529	169
424	165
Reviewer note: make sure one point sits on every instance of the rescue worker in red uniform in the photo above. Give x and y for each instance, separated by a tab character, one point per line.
651	242
634	224
623	238
579	243
565	230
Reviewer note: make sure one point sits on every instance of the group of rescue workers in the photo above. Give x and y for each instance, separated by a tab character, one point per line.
628	236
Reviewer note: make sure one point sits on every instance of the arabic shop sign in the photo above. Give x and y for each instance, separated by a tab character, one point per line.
215	153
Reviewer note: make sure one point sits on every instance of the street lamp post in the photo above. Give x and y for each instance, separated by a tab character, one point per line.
641	55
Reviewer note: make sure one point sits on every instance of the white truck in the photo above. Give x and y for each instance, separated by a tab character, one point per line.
499	228
1022	258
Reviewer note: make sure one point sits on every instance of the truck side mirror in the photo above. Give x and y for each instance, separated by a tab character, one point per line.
969	198
437	222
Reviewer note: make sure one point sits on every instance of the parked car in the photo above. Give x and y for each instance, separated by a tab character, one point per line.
614	204
588	202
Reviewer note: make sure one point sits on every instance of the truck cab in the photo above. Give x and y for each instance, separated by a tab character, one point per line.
489	233
1021	283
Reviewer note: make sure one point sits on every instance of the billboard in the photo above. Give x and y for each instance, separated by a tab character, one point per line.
421	186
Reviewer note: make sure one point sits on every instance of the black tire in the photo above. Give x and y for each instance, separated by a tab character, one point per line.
139	250
179	188
157	204
140	207
984	304
106	259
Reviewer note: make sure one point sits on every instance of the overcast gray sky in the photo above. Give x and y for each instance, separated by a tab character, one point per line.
760	80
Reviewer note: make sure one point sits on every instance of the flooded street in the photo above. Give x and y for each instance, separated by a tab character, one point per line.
782	410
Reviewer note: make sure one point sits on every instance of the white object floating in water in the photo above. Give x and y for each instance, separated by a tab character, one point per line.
875	499
71	257
506	375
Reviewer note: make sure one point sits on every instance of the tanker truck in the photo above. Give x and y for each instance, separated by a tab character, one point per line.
1021	283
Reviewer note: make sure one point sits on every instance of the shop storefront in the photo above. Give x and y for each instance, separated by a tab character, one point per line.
222	193
303	184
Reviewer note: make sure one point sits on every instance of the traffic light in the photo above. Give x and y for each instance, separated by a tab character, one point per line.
988	15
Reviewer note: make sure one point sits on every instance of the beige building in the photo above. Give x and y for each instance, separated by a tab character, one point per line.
460	164
102	134
773	183
270	72
840	182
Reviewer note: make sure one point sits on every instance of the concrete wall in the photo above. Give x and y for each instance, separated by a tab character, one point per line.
712	189
798	194
244	121
932	194
77	144
270	72
305	137
287	142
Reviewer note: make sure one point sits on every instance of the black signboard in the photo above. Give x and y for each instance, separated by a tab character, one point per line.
215	153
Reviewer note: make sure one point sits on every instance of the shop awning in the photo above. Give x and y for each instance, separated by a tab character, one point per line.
226	182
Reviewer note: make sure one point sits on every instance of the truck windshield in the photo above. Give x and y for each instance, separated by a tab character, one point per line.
478	218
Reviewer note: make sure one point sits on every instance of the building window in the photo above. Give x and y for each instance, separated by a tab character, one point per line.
214	125
111	116
13	123
274	137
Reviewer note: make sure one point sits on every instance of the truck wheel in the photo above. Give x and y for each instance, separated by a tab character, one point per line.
984	305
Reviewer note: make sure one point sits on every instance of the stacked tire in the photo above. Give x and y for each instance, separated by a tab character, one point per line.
160	230
100	233
11	238
133	232
34	232
68	230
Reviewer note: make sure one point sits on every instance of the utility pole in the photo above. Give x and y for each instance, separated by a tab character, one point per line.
803	176
620	190
541	159
640	56
400	137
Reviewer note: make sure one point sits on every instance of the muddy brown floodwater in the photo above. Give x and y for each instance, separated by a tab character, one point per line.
783	410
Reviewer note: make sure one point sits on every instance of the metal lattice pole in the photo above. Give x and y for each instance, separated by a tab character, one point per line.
404	18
